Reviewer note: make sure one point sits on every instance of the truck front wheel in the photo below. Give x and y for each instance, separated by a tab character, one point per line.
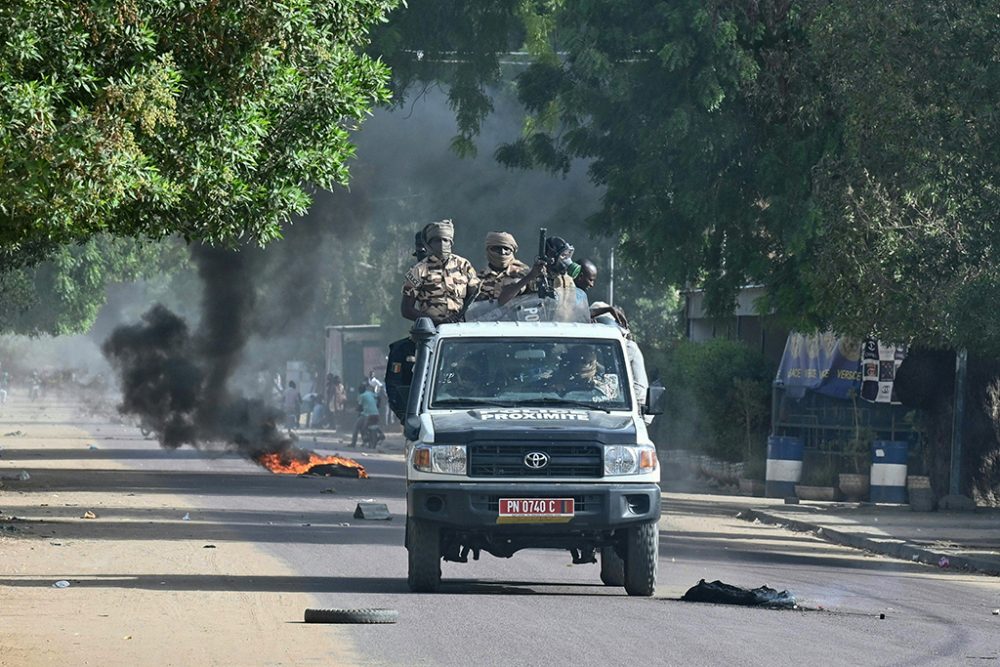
423	545
612	567
642	553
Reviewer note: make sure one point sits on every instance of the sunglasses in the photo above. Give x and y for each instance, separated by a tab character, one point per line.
501	249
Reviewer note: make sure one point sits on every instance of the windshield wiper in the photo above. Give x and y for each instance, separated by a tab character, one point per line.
471	402
564	401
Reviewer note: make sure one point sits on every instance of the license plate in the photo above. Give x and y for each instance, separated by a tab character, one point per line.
535	510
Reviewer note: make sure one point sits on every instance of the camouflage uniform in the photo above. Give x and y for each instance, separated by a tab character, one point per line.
439	287
494	280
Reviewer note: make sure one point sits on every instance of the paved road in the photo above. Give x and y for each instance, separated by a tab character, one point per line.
537	608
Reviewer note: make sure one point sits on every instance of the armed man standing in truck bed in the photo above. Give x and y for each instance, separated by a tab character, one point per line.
437	287
502	267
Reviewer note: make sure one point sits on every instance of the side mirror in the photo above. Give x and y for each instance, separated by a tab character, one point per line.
654	399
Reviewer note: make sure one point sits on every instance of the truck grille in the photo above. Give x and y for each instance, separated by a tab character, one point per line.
507	460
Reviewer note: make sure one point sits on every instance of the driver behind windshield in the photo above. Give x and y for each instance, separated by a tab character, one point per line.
581	372
472	375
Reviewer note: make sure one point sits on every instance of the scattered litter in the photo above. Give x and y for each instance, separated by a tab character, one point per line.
722	593
914	558
127	637
330	490
344	525
944	562
22	476
88	515
186	517
62	583
13	434
208	546
372	511
334	470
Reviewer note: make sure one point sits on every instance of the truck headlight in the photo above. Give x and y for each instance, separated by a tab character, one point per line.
629	460
444	459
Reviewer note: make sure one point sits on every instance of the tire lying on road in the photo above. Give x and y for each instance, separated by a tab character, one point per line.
368	616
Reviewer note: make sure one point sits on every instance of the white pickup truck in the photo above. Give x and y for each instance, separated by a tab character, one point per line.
526	435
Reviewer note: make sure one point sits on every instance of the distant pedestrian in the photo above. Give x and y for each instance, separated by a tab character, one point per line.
293	404
310	401
319	413
368	407
337	401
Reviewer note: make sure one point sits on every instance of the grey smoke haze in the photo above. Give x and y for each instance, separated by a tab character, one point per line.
263	307
405	175
176	382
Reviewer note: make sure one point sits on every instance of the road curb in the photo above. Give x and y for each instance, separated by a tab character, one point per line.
886	546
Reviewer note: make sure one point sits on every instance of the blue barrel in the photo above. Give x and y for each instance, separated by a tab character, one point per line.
784	465
888	477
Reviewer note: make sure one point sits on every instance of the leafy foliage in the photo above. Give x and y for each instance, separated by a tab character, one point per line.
711	387
460	45
844	154
157	117
63	294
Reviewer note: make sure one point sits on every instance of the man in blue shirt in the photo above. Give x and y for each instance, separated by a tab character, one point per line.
368	406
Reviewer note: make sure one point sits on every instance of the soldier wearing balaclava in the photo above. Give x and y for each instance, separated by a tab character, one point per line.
502	267
436	286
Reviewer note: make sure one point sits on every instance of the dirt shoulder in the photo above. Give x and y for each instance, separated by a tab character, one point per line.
139	593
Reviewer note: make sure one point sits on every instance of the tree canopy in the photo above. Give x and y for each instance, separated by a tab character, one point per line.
842	153
155	117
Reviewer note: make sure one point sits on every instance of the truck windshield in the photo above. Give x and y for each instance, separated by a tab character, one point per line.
575	373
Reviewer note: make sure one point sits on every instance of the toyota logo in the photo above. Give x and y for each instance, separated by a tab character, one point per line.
536	460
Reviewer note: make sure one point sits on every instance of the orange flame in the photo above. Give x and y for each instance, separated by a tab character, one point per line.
276	463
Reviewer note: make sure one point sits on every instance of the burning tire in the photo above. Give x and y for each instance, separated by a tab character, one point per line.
423	547
366	616
641	559
612	567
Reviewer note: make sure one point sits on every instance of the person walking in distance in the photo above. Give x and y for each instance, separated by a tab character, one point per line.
293	403
368	408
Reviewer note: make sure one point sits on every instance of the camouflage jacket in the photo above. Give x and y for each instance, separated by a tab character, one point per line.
439	288
493	281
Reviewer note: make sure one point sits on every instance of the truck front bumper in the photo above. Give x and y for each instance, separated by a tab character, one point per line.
473	507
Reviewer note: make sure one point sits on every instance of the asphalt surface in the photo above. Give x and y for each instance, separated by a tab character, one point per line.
537	608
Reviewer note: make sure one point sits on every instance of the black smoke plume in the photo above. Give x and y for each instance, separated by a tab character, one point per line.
176	382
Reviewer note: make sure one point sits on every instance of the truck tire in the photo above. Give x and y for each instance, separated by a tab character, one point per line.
642	553
612	567
423	546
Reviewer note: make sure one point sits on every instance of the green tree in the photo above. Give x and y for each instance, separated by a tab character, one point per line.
844	154
458	44
201	118
63	294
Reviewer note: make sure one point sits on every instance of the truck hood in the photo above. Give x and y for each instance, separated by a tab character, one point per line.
533	424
